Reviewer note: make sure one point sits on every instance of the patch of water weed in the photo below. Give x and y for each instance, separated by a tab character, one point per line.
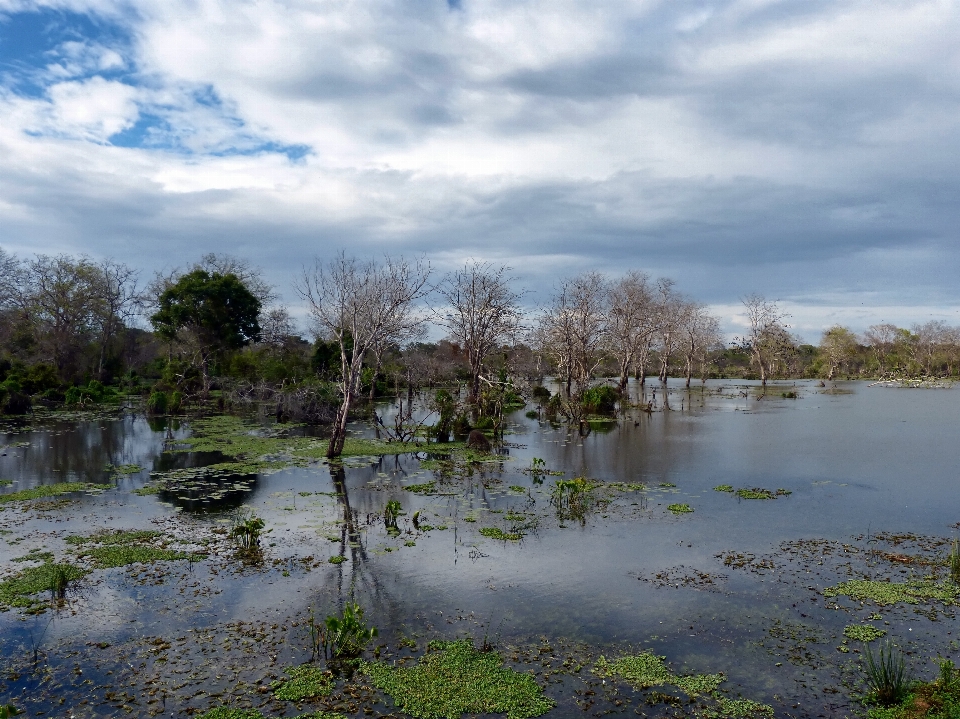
245	532
884	593
424	488
517	488
337	559
344	636
123	468
125	547
148	490
679	508
723	488
497	533
761	493
863	632
306	681
454	678
646	670
120	537
20	590
572	498
52	490
738	709
6	482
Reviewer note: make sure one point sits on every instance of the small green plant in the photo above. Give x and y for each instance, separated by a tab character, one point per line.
723	488
246	531
679	508
390	514
497	533
571	497
337	559
863	632
886	675
8	711
531	414
343	637
955	562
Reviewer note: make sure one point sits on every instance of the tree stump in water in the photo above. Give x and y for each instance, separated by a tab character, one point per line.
478	440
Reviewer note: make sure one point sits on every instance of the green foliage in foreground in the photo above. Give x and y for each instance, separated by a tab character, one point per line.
20	590
939	699
306	682
454	678
884	593
50	490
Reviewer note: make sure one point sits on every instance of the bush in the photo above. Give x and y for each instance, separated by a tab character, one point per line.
157	403
541	393
15	402
599	400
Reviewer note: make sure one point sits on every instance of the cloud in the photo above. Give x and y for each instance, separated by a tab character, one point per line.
800	148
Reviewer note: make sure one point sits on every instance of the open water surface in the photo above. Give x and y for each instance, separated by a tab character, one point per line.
870	480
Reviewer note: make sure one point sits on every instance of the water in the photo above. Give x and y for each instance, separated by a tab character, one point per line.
734	586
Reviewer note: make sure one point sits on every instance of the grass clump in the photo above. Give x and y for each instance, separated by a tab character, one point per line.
50	490
425	488
954	562
6	482
761	493
723	488
884	593
886	676
121	556
306	682
863	632
497	533
454	678
20	590
679	508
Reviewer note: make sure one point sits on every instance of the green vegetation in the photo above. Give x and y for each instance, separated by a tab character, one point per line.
5	482
123	537
497	533
337	559
863	632
953	561
51	490
246	531
679	508
939	699
886	675
571	498
454	678
884	593
306	682
7	711
723	488
761	493
739	709
19	590
124	547
343	637
425	488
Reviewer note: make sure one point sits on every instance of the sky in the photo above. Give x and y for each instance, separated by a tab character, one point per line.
805	150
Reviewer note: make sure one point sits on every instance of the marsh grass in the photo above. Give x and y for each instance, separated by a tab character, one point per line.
20	590
886	675
51	490
454	678
954	562
341	637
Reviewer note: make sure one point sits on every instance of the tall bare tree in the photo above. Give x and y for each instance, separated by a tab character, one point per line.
764	331
356	303
674	311
481	312
119	301
632	321
882	339
700	333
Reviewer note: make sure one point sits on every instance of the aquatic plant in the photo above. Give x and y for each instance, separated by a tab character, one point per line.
246	531
19	590
571	498
337	559
344	636
306	681
954	562
425	488
121	556
886	675
738	709
863	632
884	593
723	488
51	490
497	533
454	678
679	508
8	710
390	514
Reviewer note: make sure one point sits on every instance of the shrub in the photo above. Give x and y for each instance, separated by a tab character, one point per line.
343	637
600	400
887	675
157	403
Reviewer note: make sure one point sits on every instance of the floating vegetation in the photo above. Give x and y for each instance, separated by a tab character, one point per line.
666	485
454	678
425	488
571	497
124	547
337	559
306	681
6	482
246	531
884	593
124	468
738	709
679	508
52	490
863	632
723	488
497	533
517	488
761	493
231	713
20	590
124	537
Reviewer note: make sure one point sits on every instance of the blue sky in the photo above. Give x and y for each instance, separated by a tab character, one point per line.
802	149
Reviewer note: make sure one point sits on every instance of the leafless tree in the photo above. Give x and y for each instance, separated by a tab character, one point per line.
764	329
276	327
632	321
929	338
119	301
481	313
356	303
700	334
881	339
10	279
674	311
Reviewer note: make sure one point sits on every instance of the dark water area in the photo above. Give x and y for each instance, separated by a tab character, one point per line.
868	474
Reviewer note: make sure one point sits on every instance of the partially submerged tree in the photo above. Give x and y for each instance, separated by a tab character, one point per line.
765	331
357	304
212	312
481	313
631	322
838	345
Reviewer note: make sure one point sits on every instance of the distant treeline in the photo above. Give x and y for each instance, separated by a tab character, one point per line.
74	330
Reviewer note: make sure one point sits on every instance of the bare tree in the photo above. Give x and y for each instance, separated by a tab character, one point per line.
882	339
632	321
10	279
356	303
482	312
674	311
701	333
764	329
119	301
929	338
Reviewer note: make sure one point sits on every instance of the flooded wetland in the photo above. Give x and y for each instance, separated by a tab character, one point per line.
729	557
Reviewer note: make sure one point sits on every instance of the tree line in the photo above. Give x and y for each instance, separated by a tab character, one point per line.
73	329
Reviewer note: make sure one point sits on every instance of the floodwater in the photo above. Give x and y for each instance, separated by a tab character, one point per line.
736	586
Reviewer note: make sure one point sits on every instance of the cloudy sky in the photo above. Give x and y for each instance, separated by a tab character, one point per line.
807	150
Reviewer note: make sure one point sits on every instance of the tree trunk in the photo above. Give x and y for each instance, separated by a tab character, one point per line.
339	434
689	369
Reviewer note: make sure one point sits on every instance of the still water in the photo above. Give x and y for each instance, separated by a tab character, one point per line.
736	585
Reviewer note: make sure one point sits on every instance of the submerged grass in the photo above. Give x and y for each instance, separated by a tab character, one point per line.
454	678
51	490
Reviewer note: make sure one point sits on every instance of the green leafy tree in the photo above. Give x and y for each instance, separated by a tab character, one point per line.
212	312
838	345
